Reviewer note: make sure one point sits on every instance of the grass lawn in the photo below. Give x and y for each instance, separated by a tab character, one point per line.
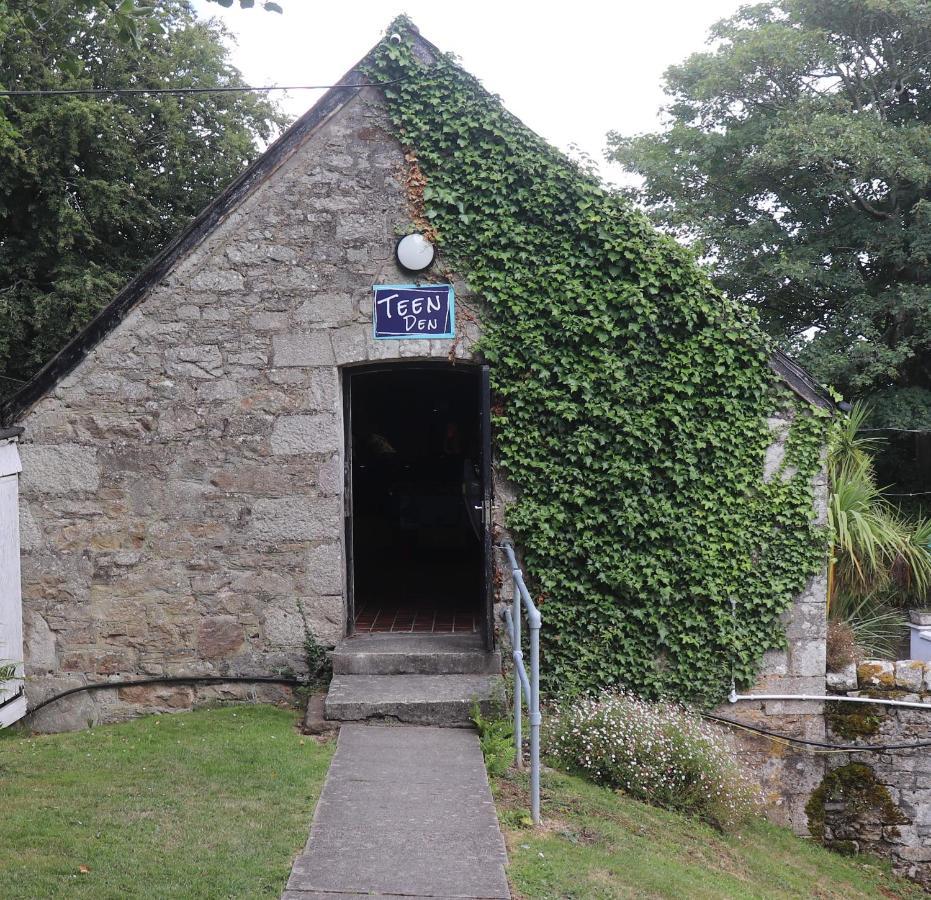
598	844
214	803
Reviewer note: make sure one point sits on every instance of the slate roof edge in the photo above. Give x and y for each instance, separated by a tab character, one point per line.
800	380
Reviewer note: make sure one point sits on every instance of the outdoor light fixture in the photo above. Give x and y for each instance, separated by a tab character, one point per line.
414	253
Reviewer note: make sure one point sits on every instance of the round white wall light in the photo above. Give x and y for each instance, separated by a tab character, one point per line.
414	253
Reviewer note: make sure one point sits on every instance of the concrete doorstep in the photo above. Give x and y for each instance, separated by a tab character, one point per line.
404	812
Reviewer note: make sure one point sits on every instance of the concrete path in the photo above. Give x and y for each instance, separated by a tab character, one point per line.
405	812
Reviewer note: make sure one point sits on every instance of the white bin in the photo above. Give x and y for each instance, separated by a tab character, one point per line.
921	642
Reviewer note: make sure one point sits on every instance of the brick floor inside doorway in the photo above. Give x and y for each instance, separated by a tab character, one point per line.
408	619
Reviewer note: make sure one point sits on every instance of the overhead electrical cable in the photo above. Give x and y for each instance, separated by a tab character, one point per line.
225	89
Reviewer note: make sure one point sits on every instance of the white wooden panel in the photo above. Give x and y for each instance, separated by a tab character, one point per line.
12	712
11	606
9	459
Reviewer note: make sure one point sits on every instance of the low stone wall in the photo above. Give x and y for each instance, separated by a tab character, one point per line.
878	803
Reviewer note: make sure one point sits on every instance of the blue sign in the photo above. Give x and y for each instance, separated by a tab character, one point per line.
408	311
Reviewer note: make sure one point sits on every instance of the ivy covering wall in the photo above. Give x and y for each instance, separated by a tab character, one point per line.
630	409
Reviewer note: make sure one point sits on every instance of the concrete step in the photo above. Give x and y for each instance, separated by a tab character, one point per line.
413	699
414	654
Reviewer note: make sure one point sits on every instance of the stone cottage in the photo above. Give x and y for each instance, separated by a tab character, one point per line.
240	452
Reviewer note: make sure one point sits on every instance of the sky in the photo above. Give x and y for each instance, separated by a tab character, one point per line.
571	71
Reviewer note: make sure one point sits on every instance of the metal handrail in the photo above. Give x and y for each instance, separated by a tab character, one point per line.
525	687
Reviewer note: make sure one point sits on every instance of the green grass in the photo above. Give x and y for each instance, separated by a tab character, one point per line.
595	843
209	804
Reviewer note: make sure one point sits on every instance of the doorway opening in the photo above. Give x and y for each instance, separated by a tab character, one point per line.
415	524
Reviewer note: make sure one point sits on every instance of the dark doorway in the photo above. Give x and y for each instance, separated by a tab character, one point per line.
415	512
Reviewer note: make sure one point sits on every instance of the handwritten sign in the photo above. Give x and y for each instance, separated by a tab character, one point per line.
408	311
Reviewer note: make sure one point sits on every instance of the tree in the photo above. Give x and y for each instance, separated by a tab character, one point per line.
92	187
797	161
130	17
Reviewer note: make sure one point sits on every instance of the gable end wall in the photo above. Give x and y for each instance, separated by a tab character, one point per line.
182	492
182	488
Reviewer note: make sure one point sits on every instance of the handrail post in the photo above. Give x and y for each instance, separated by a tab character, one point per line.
515	649
535	721
530	688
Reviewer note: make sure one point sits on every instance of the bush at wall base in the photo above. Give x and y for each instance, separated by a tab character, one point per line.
661	753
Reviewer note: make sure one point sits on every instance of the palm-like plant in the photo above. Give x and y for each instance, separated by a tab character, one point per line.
874	548
848	447
876	622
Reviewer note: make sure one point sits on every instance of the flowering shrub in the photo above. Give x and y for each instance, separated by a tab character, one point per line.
661	753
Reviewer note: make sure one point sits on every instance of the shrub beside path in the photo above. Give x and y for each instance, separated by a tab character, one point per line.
405	812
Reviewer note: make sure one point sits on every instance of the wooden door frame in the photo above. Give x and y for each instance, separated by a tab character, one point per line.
470	368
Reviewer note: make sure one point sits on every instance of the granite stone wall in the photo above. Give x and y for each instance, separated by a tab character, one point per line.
182	489
787	777
879	803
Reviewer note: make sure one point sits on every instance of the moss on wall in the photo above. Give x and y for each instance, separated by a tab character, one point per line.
853	720
855	797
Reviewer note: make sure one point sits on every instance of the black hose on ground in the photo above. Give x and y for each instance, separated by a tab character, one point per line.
169	679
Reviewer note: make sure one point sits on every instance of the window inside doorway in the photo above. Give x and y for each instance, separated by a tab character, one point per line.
416	533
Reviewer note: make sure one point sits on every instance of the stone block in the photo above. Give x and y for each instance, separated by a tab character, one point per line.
807	658
844	680
775	455
219	636
39	642
268	321
876	673
30	536
789	684
330	476
326	310
909	674
253	358
919	801
59	469
315	721
303	349
283	627
305	434
926	680
72	713
221	280
204	361
775	662
297	518
323	395
324	565
170	697
325	617
350	344
280	253
793	707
